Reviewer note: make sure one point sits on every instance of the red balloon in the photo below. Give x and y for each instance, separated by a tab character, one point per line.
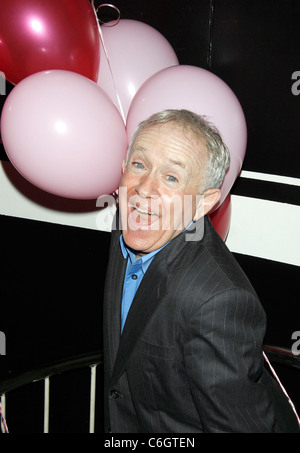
220	218
39	35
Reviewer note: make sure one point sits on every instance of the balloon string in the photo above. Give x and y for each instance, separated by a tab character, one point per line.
106	53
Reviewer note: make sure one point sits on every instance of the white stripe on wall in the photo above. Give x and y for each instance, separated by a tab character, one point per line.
15	202
270	178
260	228
265	229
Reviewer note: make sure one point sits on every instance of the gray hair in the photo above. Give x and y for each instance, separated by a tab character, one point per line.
218	154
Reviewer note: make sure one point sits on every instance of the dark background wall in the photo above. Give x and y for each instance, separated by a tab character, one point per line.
52	275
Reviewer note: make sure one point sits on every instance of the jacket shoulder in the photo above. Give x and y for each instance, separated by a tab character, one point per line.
209	263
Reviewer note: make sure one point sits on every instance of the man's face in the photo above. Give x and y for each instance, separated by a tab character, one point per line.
162	177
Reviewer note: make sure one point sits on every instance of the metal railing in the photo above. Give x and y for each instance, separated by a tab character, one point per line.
276	355
45	374
282	356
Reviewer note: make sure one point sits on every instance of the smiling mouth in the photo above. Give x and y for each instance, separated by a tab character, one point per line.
143	211
141	219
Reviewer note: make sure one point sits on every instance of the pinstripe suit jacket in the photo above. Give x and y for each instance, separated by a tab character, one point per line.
189	359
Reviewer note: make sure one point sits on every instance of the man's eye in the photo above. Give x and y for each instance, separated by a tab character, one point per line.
172	178
138	165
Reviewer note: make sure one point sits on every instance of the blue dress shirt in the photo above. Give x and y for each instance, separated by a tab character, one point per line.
135	271
134	274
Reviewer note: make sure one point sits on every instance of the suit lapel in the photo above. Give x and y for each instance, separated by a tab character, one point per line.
113	297
148	297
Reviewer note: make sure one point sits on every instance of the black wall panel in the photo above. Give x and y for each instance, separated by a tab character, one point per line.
185	24
255	49
52	281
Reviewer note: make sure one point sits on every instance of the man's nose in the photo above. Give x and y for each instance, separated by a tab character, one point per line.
147	186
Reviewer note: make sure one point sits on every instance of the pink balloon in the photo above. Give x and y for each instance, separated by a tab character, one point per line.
39	35
135	51
198	90
63	134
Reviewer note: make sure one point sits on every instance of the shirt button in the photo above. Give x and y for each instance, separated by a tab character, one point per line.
114	394
134	277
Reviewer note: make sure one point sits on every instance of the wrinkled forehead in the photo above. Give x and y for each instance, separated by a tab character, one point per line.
183	138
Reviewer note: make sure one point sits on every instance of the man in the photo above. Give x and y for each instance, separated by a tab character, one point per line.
183	327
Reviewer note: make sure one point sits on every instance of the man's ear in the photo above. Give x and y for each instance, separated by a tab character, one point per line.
206	202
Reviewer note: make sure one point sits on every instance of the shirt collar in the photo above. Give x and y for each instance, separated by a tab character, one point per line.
145	258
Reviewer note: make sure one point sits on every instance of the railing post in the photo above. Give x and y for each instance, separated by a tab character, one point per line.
46	403
92	398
